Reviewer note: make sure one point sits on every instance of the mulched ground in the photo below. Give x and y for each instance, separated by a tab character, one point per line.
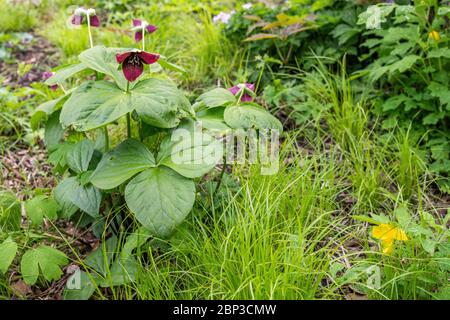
25	169
38	52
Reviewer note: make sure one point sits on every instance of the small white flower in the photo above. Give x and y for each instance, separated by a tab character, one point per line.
80	11
90	12
247	6
223	17
374	19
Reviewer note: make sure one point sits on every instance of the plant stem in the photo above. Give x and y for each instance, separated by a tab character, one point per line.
128	125
143	39
222	172
89	31
105	131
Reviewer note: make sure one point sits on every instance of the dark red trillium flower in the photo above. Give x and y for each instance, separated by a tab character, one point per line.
78	20
133	63
236	90
46	75
138	34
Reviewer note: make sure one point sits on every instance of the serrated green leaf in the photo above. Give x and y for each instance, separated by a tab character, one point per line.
40	207
8	251
44	259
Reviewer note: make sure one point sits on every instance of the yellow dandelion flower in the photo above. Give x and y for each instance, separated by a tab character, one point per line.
434	35
387	233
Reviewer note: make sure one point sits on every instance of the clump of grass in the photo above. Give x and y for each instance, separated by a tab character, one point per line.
17	17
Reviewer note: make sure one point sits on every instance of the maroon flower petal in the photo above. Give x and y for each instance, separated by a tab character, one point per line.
120	57
94	21
136	22
151	28
46	75
77	20
148	58
234	90
132	68
138	36
251	86
246	97
54	87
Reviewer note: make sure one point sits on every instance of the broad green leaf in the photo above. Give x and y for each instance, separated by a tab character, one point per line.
54	132
45	259
63	73
217	98
159	103
63	195
71	194
8	250
79	286
57	157
212	119
249	116
45	110
80	155
127	159
191	153
40	207
95	104
160	198
103	60
88	198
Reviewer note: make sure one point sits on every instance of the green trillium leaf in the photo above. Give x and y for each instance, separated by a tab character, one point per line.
95	104
54	132
64	73
44	110
160	198
160	103
80	155
190	152
102	59
127	159
217	98
247	116
72	194
212	119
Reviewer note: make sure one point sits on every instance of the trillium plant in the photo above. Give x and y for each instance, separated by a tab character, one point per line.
141	165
